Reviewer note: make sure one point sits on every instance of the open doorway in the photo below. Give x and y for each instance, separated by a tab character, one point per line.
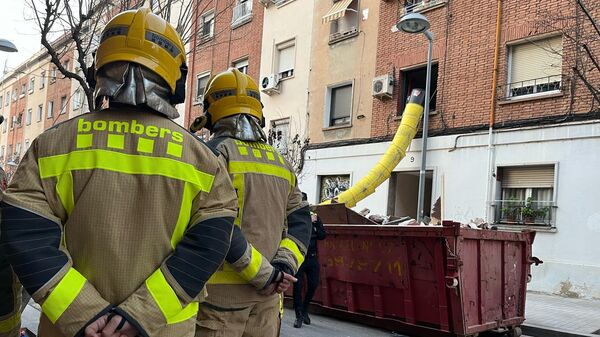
404	193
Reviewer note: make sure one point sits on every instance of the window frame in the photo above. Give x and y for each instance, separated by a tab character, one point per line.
63	105
338	35
403	90
203	16
291	43
199	98
28	116
236	64
42	79
50	110
509	68
498	200
40	112
31	84
274	126
328	101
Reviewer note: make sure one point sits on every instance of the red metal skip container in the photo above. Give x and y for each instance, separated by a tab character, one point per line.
425	281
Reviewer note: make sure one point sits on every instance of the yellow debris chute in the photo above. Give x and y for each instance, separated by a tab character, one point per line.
394	154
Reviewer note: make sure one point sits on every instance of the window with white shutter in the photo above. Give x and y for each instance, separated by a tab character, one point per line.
526	195
535	67
286	58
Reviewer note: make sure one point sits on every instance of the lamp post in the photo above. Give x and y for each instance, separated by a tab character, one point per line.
7	46
415	23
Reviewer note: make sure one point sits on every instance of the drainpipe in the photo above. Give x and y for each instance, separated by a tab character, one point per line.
489	175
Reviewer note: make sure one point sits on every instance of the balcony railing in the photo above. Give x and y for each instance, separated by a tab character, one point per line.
242	13
521	212
420	5
531	87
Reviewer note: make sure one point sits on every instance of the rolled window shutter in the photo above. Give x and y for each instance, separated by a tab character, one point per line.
541	176
536	60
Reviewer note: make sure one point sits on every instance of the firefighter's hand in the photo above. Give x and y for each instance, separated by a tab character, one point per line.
95	328
119	327
285	283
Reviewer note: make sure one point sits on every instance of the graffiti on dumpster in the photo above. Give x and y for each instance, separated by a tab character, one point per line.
393	267
372	261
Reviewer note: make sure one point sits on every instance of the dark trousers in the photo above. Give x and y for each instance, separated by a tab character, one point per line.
310	268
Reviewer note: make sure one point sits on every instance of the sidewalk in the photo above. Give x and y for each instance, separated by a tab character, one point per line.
564	316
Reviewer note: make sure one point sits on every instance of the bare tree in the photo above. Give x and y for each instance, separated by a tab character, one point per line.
68	26
581	30
292	148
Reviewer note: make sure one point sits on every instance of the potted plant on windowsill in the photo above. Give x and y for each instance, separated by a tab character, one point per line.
510	209
528	212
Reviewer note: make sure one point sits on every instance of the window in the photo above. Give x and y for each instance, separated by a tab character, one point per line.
241	65
340	105
77	99
23	89
26	144
279	134
535	67
14	96
18	150
242	13
208	26
31	84
1	102
50	109
20	119
43	80
332	185
526	195
7	101
201	82
286	57
40	112
63	105
53	75
416	79
419	5
28	117
343	19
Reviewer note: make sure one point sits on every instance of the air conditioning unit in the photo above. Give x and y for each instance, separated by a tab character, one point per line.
383	86
270	84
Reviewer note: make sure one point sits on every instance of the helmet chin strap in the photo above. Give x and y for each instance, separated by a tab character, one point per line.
132	84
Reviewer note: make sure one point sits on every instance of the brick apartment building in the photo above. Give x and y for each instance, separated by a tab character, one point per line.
226	34
534	169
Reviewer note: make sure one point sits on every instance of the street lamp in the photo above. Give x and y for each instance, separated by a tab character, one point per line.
7	46
415	23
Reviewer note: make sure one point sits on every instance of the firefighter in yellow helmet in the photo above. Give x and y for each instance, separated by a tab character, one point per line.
273	224
116	219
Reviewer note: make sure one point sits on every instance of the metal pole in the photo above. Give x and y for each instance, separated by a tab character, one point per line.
422	173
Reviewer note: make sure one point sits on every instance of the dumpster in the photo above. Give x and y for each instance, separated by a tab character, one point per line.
425	280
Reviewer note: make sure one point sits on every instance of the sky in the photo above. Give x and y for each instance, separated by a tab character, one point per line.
23	33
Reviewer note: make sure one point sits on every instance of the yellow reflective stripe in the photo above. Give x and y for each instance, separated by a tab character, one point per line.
64	189
253	268
291	246
185	212
261	168
167	300
226	277
63	295
10	323
238	184
124	163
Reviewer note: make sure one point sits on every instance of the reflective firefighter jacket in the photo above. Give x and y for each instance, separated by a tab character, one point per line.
10	299
118	211
272	226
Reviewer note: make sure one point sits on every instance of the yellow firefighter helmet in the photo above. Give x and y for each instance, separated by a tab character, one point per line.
229	93
142	37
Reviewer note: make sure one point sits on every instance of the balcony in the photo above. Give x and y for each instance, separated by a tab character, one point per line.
525	212
422	5
531	88
242	13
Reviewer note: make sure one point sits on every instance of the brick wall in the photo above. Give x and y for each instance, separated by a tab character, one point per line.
464	50
227	46
61	87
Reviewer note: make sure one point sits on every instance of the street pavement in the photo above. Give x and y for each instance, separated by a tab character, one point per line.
321	326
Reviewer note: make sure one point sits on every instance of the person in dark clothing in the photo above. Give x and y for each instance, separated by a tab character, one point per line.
311	269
